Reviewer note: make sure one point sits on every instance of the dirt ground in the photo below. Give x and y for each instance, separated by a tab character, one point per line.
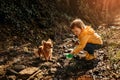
20	63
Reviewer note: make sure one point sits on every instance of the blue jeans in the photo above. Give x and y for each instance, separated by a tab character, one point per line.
90	48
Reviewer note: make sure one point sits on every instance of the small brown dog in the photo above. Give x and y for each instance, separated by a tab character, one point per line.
45	50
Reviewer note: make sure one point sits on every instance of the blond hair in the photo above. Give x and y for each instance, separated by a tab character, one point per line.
78	23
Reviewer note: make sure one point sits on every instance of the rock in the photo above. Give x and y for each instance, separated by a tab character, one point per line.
60	46
58	64
19	67
105	78
2	70
113	27
69	45
101	52
16	60
67	40
40	75
28	71
85	77
47	78
55	79
12	77
54	65
66	62
108	67
53	70
11	72
115	66
68	50
25	49
100	57
48	64
71	35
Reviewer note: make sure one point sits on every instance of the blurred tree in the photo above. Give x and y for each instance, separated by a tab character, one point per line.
26	16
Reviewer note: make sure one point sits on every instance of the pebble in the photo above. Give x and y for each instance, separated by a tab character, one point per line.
19	67
28	70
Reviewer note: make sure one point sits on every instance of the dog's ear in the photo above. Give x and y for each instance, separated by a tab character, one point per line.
49	40
43	42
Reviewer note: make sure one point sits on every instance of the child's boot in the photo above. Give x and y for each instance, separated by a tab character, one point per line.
89	56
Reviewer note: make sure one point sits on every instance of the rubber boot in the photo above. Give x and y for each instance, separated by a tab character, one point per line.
89	56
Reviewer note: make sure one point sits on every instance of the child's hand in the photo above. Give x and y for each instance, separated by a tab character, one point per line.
71	52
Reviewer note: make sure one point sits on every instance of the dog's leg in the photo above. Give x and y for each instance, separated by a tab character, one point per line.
50	56
45	55
36	52
40	52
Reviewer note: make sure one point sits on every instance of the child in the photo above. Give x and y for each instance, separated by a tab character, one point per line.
89	40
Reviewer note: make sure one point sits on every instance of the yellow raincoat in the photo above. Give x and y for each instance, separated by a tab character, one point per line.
87	35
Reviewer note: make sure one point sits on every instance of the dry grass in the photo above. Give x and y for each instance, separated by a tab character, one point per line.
111	38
